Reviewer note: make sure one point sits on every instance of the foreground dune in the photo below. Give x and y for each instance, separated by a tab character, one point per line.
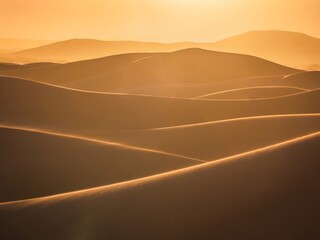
218	139
65	163
32	104
234	198
138	71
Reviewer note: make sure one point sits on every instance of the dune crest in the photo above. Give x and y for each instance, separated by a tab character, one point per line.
280	203
65	163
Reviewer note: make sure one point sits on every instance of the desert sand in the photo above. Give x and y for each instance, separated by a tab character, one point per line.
188	144
288	48
236	197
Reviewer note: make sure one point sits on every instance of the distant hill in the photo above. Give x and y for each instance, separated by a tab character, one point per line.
81	49
292	49
288	48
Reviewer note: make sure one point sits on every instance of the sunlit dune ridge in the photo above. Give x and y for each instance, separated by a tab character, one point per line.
67	162
254	93
278	179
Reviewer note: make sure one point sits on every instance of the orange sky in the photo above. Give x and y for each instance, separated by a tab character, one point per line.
154	20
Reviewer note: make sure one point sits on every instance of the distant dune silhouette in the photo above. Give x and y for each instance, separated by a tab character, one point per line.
81	49
293	49
9	45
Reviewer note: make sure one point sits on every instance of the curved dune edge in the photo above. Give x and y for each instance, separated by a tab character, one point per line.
54	199
259	99
237	90
85	91
236	120
97	141
305	91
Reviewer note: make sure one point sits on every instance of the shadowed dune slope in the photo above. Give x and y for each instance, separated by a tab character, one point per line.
310	80
253	93
194	90
181	67
288	48
32	104
62	73
39	164
187	66
213	140
236	198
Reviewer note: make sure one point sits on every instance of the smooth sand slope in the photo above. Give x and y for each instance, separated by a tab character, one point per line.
253	93
271	193
288	48
35	163
194	90
309	80
140	71
63	73
32	104
213	140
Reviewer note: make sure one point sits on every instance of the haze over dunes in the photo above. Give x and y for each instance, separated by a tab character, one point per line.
293	49
289	48
80	49
159	131
8	45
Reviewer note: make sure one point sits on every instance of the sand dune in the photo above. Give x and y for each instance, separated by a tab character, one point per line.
32	104
81	49
254	93
275	186
8	67
36	163
288	48
213	140
181	67
310	80
190	66
303	80
63	73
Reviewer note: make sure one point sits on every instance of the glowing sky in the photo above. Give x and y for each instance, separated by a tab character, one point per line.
154	20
